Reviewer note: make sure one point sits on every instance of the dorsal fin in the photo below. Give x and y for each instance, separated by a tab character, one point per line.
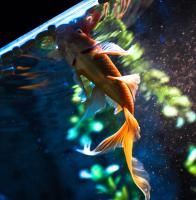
132	82
111	48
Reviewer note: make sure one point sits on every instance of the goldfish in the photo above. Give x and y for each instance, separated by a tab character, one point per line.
90	59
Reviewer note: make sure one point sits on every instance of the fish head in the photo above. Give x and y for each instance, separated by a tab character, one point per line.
72	40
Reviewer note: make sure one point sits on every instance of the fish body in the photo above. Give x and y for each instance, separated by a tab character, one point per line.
90	59
82	52
104	68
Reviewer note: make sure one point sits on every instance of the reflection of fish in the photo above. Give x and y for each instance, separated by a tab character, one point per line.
7	70
39	85
91	60
22	68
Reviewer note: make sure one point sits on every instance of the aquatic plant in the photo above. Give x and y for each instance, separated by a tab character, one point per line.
110	183
155	82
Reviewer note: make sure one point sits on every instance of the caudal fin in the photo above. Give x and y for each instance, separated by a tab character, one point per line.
139	175
125	137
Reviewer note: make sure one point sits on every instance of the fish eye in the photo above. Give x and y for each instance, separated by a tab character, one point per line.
89	18
79	31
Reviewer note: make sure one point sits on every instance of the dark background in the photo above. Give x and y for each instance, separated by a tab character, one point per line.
23	16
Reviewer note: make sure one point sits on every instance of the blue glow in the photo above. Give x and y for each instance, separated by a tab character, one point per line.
2	197
6	68
96	126
112	168
85	174
74	12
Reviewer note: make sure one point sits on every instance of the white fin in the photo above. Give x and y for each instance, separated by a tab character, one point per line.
112	103
132	82
118	109
141	173
95	104
110	143
112	49
87	151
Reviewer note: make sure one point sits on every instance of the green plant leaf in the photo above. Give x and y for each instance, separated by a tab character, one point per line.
111	184
101	188
170	111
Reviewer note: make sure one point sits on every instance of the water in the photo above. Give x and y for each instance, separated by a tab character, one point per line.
40	107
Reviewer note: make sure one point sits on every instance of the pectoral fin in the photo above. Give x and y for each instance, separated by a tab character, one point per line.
78	80
95	103
132	82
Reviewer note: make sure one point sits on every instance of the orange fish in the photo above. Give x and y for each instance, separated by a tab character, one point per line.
90	59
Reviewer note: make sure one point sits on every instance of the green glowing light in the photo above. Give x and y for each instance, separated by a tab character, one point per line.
81	108
101	188
72	134
190	162
135	51
96	126
78	90
159	74
97	172
191	116
74	119
85	139
173	91
181	101
76	99
180	122
122	195
170	111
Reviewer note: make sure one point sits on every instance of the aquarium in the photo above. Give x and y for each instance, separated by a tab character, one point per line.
98	103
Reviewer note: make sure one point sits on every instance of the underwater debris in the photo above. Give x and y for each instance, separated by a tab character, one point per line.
155	82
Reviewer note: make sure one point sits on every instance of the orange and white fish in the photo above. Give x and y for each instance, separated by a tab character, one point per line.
90	59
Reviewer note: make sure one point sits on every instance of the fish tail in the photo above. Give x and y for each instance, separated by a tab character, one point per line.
125	137
137	171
